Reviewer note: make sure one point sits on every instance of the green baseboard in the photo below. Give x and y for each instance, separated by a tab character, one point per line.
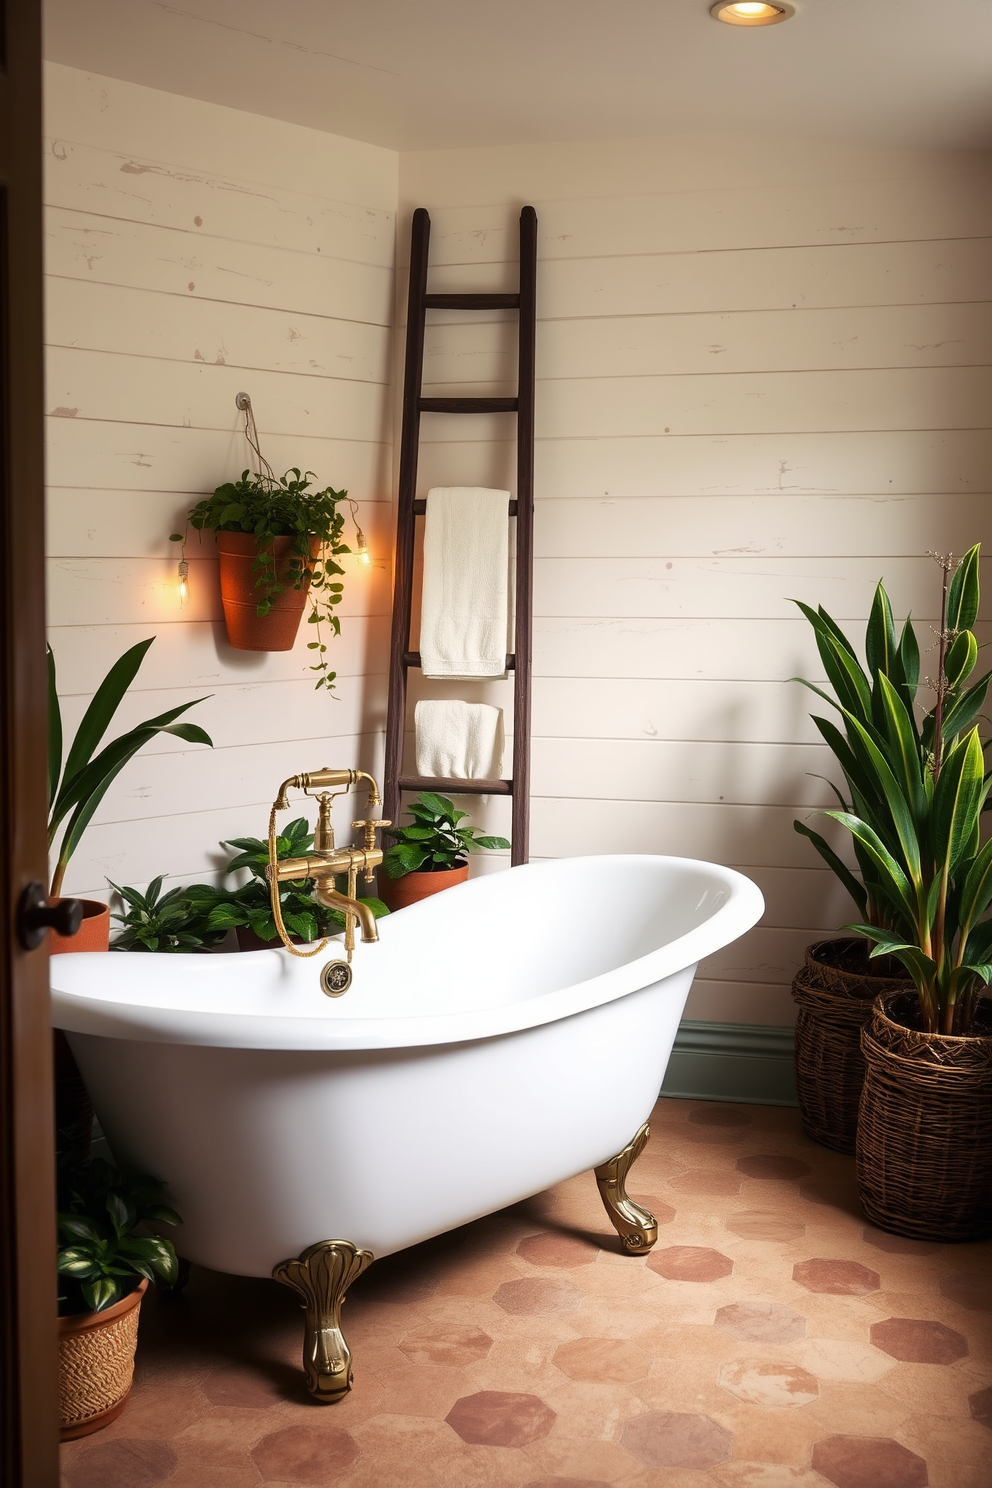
751	1063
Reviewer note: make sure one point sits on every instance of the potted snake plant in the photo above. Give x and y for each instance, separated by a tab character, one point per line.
924	1144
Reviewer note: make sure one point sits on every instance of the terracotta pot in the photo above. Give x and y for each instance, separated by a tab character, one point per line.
246	629
925	1125
835	990
96	1365
398	893
94	932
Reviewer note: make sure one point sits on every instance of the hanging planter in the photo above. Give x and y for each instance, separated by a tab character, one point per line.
835	990
925	1129
244	559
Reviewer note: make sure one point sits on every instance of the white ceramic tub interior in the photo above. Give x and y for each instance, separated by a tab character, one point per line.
502	1036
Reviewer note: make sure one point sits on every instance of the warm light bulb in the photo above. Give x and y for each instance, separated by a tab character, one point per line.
363	555
183	582
751	12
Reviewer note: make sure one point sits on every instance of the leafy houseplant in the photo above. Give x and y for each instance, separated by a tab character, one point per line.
918	790
79	780
278	542
154	921
104	1268
248	909
432	853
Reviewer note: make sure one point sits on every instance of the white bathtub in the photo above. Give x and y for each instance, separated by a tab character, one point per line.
502	1036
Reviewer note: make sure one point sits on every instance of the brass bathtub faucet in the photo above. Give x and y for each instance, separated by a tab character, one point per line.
325	862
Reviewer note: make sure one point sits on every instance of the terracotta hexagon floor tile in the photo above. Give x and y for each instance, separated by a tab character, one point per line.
980	1405
869	1462
765	1382
163	1409
968	1290
765	1224
837	1278
677	1439
690	1263
844	1359
919	1341
501	1418
536	1295
249	1389
764	1322
764	1475
124	1463
557	1248
772	1166
707	1183
602	1359
304	1454
446	1345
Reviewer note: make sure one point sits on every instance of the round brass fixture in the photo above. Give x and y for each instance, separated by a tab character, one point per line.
751	12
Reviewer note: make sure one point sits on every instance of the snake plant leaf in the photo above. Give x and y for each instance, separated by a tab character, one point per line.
909	658
106	700
54	732
891	875
898	807
976	891
978	946
961	658
962	596
964	711
856	890
880	636
846	678
957	800
903	750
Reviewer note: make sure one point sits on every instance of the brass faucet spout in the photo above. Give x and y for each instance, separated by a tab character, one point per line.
331	899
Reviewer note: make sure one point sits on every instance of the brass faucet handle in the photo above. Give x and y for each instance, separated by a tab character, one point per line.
373	824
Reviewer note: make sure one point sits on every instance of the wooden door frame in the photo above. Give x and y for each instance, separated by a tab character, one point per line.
28	1361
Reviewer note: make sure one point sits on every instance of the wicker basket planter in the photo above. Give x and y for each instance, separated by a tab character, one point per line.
835	991
96	1365
925	1126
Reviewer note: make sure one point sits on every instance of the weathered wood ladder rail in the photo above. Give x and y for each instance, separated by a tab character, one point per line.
409	508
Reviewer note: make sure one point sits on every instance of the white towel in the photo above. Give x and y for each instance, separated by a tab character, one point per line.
463	613
459	741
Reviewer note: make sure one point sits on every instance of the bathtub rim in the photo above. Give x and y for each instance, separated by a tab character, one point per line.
78	1013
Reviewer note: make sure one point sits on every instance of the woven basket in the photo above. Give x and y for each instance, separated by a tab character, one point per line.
835	992
925	1126
96	1365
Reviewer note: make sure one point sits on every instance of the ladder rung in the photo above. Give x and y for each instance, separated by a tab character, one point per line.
468	405
472	302
456	787
412	659
420	508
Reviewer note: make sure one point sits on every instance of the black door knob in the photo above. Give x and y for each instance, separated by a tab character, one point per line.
35	915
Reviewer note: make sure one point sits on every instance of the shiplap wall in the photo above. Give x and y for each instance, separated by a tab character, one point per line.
193	251
763	373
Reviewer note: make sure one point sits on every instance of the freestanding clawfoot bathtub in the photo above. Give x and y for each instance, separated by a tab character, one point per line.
502	1036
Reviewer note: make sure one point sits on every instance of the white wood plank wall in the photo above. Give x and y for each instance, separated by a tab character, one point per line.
763	373
193	251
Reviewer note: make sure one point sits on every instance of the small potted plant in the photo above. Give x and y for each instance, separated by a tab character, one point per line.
169	922
248	909
430	855
104	1267
277	542
924	1144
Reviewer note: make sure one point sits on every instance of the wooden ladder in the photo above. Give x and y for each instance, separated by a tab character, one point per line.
401	658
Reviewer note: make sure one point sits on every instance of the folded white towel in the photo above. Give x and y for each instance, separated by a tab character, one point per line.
463	613
459	741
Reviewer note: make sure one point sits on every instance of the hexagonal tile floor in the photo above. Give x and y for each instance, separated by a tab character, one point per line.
773	1339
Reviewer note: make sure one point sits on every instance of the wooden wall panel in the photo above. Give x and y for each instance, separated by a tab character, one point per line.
763	375
193	251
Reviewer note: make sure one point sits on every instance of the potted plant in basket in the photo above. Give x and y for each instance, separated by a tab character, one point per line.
924	1142
431	854
277	542
248	909
104	1267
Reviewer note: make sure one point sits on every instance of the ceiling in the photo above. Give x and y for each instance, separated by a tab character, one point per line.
439	74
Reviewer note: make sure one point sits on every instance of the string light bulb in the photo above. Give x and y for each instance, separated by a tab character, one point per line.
362	555
751	12
183	583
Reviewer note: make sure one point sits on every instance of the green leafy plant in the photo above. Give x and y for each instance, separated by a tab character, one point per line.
917	793
269	507
251	906
435	842
100	1254
78	785
154	921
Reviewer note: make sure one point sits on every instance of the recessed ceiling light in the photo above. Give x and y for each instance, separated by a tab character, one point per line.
751	12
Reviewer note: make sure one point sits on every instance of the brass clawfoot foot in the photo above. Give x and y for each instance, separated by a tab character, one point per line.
321	1278
636	1227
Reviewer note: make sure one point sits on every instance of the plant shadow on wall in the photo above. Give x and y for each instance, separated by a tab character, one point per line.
915	792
